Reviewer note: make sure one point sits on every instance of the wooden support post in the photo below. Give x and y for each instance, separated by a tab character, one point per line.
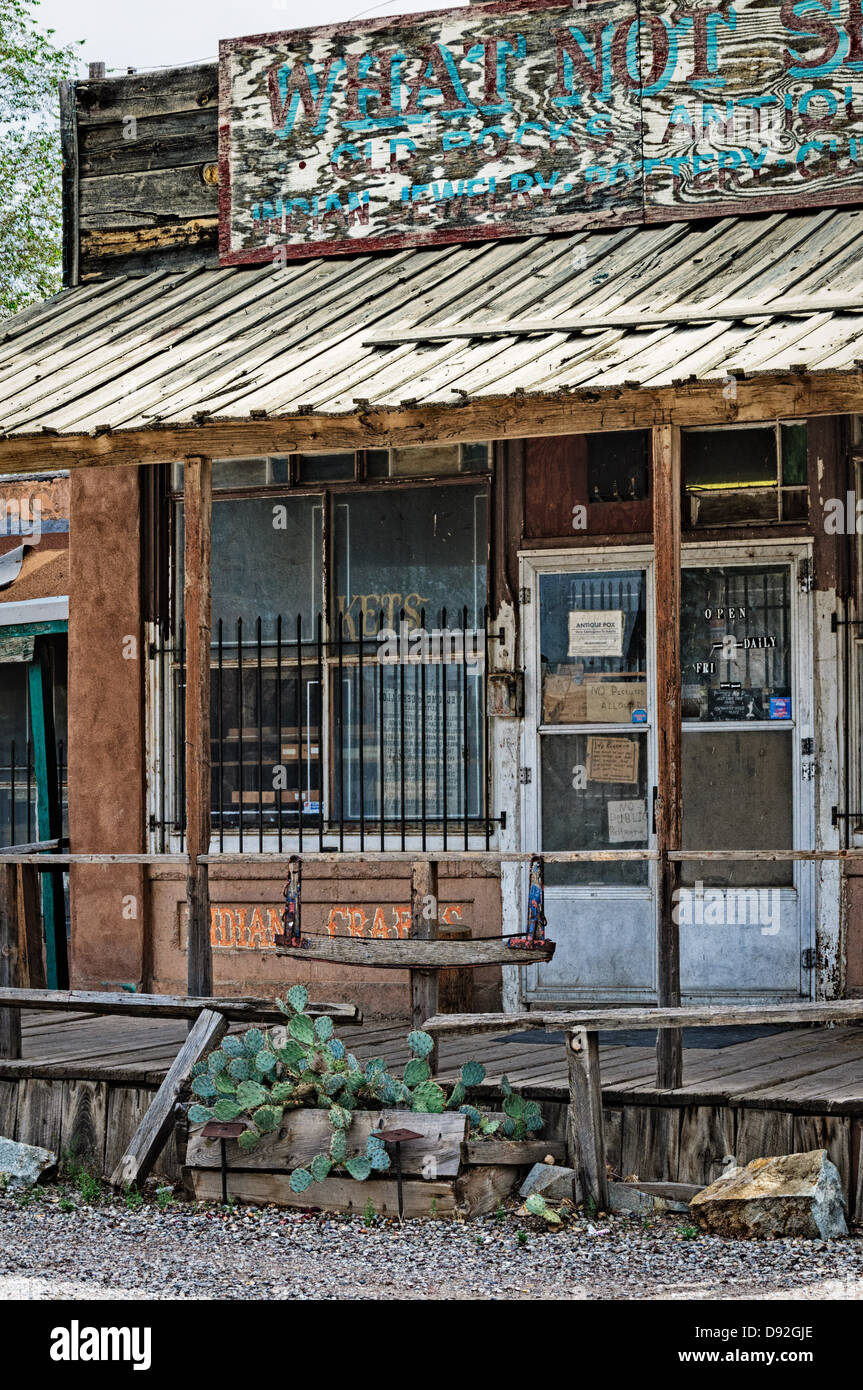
49	816
585	1135
10	1019
197	516
149	1138
32	970
424	926
667	805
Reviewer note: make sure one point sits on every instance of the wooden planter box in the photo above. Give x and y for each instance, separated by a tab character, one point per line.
444	1174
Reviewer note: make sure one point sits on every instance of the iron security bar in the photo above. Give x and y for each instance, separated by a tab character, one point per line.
373	734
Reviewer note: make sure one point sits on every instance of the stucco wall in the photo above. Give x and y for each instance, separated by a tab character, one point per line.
246	902
106	771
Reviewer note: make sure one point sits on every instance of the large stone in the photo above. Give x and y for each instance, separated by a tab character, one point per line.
22	1165
793	1195
644	1198
553	1181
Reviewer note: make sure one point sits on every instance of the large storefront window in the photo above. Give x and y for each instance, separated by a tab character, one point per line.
349	655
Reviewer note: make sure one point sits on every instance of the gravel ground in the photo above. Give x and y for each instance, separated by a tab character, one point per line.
104	1250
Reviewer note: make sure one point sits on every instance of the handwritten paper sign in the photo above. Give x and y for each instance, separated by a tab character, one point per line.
612	759
612	702
500	119
627	821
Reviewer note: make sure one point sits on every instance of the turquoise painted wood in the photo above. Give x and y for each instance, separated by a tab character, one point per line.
49	818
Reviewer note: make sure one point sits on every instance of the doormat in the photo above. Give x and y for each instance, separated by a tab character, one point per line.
728	1036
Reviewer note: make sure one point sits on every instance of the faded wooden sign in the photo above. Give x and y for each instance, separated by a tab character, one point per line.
505	119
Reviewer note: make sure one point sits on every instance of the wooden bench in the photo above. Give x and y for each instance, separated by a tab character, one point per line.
585	1135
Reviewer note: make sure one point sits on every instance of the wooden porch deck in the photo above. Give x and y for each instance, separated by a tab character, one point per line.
814	1070
779	1091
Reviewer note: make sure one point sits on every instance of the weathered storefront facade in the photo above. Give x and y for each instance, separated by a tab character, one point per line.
545	543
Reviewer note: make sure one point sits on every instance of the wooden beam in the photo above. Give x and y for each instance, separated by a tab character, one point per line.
165	1005
667	802
33	974
149	1138
10	1020
424	923
787	396
197	518
585	1136
418	956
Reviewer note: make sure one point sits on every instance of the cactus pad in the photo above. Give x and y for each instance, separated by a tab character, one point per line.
420	1044
204	1086
473	1073
267	1118
226	1109
320	1167
251	1094
358	1167
249	1139
429	1099
232	1046
339	1146
301	1178
298	998
416	1071
323	1029
302	1029
199	1114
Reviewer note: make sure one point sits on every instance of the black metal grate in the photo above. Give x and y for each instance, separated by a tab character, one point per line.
315	738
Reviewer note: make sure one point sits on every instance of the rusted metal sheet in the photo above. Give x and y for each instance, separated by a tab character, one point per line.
492	121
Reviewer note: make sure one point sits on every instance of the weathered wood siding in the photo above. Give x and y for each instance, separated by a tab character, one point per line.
140	165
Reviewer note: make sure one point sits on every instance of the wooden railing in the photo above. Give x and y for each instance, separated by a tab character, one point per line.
211	1018
585	1132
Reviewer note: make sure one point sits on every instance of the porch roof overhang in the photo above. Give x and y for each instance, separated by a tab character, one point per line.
692	322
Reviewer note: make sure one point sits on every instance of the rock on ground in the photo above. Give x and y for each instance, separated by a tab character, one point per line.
22	1165
791	1195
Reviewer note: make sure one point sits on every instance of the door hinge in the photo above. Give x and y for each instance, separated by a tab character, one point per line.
524	775
524	597
806	576
808	958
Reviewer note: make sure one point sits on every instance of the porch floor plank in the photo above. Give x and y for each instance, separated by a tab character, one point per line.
813	1069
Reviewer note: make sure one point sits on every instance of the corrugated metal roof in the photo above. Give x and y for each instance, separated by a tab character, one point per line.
277	341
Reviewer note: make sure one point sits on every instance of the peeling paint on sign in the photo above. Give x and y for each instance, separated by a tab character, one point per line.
505	119
253	926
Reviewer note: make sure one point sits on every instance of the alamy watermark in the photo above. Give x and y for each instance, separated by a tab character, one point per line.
728	907
21	517
420	646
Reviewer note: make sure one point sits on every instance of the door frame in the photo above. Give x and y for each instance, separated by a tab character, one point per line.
694	552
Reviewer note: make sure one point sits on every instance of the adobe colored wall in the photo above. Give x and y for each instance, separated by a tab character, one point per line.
106	770
245	905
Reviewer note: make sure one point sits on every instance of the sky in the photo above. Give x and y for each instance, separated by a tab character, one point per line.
162	33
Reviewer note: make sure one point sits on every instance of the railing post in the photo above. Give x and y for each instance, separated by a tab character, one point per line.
10	1019
666	548
585	1134
424	925
198	497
